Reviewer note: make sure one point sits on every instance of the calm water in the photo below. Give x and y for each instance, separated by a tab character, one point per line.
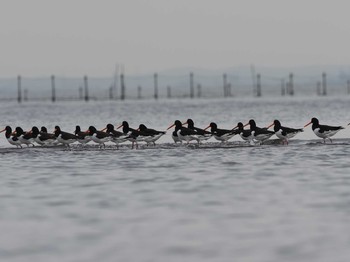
177	203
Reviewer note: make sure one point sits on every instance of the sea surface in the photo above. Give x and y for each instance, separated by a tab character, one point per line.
212	202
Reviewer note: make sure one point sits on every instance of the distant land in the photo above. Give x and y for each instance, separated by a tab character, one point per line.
176	83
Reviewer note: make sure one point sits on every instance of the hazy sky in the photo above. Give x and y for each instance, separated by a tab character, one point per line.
76	37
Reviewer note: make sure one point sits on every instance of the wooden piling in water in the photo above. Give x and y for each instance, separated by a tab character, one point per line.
122	87
169	91
53	90
155	77
139	92
324	84
291	84
258	85
86	87
224	79
191	85
19	89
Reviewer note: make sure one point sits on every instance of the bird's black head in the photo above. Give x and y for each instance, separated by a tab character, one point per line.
35	131
190	123
8	132
92	130
77	130
240	126
213	126
43	129
252	124
19	131
142	127
57	131
110	128
314	121
277	124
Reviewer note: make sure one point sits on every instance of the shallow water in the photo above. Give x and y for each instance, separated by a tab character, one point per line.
214	202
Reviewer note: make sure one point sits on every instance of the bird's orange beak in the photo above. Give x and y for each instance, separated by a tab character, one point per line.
185	123
308	124
206	128
2	130
270	125
104	129
247	124
120	126
170	126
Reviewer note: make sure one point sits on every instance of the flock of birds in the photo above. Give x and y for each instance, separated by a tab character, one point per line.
253	135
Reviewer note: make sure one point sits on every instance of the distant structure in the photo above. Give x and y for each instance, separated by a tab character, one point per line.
258	85
53	90
19	89
86	88
224	78
155	76
324	84
122	87
191	85
290	89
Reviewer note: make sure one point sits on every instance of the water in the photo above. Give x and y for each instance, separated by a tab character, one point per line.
177	203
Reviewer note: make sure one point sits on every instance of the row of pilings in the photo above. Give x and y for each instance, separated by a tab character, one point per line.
287	87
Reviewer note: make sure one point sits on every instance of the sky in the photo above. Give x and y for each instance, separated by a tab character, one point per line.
78	37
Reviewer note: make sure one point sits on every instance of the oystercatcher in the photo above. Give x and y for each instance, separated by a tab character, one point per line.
11	137
98	137
258	133
42	138
131	134
82	137
64	137
150	135
182	133
323	131
24	137
115	136
222	135
201	133
245	134
284	133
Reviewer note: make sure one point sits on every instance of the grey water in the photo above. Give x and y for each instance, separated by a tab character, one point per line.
211	202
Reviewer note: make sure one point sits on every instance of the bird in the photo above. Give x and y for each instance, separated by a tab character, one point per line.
131	134
222	135
258	133
42	138
201	133
150	135
182	133
82	137
323	131
24	137
115	136
64	137
178	126
11	137
284	133
98	137
245	134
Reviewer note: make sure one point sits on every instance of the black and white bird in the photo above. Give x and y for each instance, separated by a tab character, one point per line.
202	134
11	137
43	138
259	134
64	137
25	138
115	136
245	134
323	131
132	135
150	135
82	137
99	137
222	135
182	133
284	133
